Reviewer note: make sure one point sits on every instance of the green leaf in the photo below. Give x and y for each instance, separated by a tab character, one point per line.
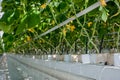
104	16
4	27
8	37
33	19
63	7
6	17
11	16
104	13
23	24
101	8
20	28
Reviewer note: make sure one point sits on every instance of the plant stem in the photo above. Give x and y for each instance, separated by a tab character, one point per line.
118	38
101	43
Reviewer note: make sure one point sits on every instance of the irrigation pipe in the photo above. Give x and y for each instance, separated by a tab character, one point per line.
90	8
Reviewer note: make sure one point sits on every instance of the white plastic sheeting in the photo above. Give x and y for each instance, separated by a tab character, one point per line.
36	68
117	59
97	72
85	58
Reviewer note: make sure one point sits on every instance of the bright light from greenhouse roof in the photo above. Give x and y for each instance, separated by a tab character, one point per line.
1	13
1	34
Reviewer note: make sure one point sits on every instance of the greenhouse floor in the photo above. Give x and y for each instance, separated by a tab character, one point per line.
4	74
1	71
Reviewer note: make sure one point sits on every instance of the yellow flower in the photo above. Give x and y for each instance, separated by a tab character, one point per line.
103	3
72	28
89	24
43	6
42	41
28	38
71	21
25	41
53	22
64	32
31	30
68	26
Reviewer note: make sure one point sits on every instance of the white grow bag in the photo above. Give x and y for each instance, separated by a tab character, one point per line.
117	59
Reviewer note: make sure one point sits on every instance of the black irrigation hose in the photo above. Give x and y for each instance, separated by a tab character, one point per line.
90	8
